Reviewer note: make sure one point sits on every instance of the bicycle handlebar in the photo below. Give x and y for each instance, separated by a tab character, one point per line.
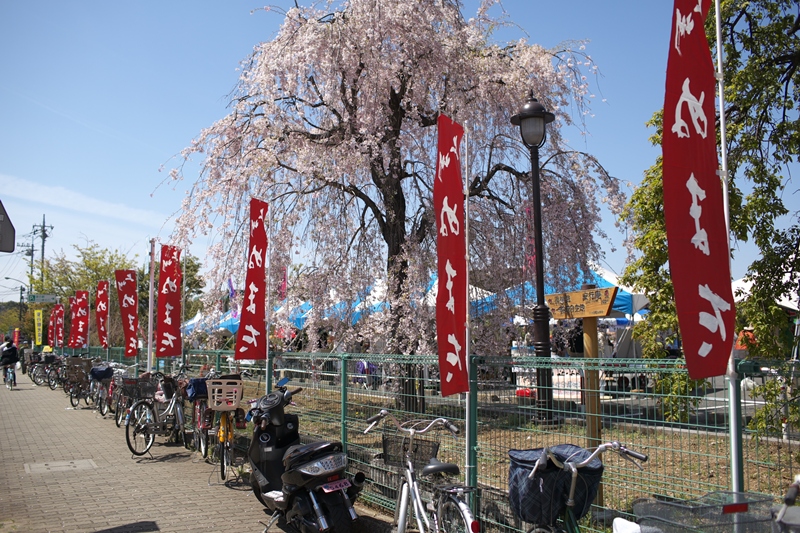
613	446
414	427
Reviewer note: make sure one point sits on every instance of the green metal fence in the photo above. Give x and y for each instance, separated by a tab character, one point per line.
651	406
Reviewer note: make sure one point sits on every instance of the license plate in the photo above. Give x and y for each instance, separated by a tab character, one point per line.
336	485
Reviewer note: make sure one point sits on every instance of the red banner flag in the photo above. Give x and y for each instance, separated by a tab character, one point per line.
699	254
101	312
72	307
451	244
168	340
251	338
129	307
79	329
58	339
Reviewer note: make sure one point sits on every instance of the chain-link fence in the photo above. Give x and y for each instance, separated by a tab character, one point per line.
649	405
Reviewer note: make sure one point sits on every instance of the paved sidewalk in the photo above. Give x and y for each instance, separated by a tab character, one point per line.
66	469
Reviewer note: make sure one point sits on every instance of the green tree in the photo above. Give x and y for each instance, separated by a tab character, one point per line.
762	52
65	276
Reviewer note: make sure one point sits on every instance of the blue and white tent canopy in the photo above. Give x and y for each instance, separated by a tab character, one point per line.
626	303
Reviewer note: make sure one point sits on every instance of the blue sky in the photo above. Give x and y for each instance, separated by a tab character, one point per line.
96	97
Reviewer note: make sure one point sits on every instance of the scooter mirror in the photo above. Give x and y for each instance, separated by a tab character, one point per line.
282	383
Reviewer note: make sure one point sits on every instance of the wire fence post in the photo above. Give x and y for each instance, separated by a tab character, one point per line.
343	416
472	426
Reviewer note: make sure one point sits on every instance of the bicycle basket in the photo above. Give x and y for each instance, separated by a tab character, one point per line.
542	499
196	389
76	374
395	447
145	388
716	512
225	393
130	387
168	386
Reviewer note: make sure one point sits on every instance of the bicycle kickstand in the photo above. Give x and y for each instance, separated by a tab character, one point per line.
275	516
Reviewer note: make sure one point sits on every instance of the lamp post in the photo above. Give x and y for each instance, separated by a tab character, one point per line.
532	119
21	293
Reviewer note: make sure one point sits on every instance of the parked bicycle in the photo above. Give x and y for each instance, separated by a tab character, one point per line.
202	417
100	381
56	374
78	386
147	418
447	509
554	487
224	396
38	370
124	387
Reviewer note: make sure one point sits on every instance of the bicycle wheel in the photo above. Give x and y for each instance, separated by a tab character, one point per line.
200	434
75	397
402	508
120	411
52	378
223	444
137	432
38	375
219	455
102	405
451	518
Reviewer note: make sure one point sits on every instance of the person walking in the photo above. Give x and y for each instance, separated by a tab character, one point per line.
8	356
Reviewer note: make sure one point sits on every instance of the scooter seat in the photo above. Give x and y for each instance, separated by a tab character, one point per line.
438	467
303	452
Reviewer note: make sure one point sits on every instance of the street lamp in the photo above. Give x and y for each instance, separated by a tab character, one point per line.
21	293
532	119
18	281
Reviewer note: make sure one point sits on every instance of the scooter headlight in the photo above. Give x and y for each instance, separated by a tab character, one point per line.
326	465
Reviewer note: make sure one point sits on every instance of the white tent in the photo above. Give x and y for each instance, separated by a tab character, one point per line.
741	289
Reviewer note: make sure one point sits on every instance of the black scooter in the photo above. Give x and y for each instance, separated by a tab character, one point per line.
306	484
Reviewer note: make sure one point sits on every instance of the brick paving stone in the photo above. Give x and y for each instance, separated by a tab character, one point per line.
171	490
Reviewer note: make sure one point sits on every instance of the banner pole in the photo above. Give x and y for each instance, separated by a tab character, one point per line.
150	307
269	360
472	400
734	392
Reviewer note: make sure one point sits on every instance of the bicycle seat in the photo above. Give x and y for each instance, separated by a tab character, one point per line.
438	467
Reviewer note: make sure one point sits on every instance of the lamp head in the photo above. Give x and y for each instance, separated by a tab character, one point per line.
531	120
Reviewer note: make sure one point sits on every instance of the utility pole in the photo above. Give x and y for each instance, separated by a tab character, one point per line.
21	299
42	231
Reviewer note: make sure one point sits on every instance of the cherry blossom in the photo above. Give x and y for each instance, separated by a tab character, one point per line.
333	123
